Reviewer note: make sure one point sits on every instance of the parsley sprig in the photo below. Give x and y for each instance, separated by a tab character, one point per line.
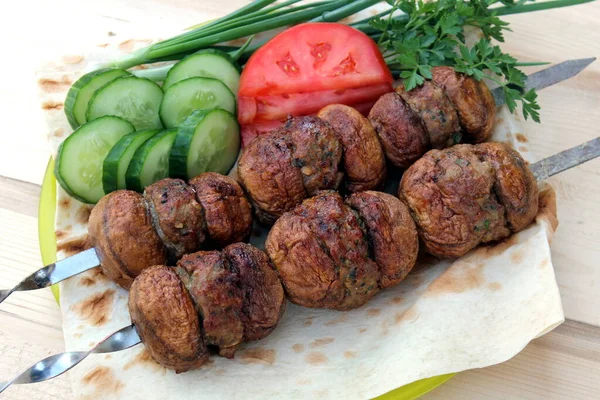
434	33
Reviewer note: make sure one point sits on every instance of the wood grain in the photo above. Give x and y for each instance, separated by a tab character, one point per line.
570	116
562	364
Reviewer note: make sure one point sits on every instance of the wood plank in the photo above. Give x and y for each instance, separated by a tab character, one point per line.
569	117
561	365
19	196
19	258
23	343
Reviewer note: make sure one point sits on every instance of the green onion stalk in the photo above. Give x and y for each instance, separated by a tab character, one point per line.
252	19
266	15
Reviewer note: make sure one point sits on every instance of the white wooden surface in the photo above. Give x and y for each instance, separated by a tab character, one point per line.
562	364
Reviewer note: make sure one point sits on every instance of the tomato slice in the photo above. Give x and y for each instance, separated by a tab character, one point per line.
279	107
306	68
314	57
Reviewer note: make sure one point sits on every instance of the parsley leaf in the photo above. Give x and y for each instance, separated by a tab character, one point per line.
434	33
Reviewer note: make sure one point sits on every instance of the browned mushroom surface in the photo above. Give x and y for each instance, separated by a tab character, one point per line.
400	130
472	100
227	212
125	240
463	196
515	185
265	170
317	152
166	319
391	231
321	254
212	298
215	288
436	111
176	215
363	158
281	168
264	299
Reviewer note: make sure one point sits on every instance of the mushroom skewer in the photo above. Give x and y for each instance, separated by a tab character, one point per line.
130	232
338	254
471	194
178	312
128	336
87	259
448	109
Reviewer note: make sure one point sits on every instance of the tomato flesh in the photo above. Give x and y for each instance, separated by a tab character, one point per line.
306	68
314	57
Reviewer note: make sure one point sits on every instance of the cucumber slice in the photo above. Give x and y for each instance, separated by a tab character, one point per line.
135	99
208	140
80	156
150	163
82	90
191	94
209	63
118	159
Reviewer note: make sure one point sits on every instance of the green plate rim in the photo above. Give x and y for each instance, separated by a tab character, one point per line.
46	217
47	239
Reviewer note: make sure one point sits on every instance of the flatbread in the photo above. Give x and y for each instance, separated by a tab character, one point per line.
444	317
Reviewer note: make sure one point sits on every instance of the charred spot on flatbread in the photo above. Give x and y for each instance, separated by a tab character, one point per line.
55	86
104	381
73	246
52	105
96	309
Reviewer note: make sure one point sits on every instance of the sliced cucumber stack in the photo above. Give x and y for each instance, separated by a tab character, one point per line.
209	63
80	157
208	140
135	99
82	91
191	94
118	159
150	163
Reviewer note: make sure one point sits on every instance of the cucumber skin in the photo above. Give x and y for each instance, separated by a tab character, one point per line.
216	52
160	110
110	167
181	146
57	163
132	177
74	92
113	81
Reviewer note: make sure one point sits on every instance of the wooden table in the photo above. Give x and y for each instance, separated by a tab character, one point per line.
563	364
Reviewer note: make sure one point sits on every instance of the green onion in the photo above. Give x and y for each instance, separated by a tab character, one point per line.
265	15
343	12
156	74
249	8
228	28
546	5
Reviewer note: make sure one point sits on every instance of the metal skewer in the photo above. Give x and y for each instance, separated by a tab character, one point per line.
58	364
548	77
55	365
565	160
56	272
